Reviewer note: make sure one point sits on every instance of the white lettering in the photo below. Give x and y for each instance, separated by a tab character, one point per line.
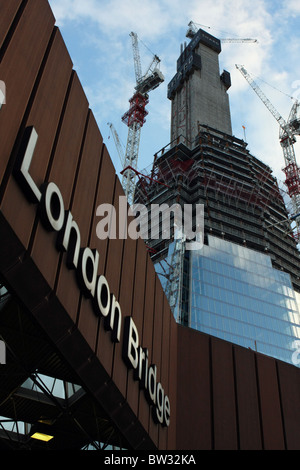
53	210
115	460
142	370
152	383
69	240
137	358
89	260
171	459
131	343
167	411
26	154
113	320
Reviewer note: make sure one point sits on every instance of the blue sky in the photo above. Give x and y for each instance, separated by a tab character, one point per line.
96	33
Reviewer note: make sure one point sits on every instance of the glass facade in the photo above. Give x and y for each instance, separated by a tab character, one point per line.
234	293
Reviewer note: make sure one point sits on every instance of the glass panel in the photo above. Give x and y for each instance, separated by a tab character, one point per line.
243	299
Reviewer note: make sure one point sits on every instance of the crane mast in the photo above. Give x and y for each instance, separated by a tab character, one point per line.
287	132
136	57
134	118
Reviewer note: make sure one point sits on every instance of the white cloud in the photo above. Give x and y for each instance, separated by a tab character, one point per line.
291	7
148	18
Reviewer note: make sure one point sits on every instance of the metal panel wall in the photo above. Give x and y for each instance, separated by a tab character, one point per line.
234	398
43	91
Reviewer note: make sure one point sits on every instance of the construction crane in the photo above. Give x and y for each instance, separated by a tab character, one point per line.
135	116
287	137
193	28
117	143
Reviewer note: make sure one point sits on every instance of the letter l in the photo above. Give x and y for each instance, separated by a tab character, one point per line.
25	157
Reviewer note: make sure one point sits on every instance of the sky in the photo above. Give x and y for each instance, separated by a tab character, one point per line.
96	33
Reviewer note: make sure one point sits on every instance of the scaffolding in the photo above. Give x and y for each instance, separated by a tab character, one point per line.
173	167
242	201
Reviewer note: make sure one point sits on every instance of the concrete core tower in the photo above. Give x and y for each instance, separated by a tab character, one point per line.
198	91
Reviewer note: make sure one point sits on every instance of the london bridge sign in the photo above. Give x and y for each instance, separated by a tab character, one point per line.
84	261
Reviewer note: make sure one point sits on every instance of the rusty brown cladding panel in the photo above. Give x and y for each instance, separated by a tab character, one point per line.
247	400
139	286
146	332
155	353
88	323
149	306
113	266
120	273
19	68
165	355
172	384
267	410
70	139
8	12
47	108
165	365
289	380
157	324
194	407
272	426
137	314
62	167
119	374
62	172
112	274
143	275
81	208
224	404
44	114
105	195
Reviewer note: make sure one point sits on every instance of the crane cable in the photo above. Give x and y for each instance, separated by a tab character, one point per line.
145	46
272	86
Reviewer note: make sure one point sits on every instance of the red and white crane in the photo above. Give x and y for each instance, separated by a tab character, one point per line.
134	118
287	132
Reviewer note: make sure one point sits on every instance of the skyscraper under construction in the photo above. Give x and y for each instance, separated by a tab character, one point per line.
243	285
